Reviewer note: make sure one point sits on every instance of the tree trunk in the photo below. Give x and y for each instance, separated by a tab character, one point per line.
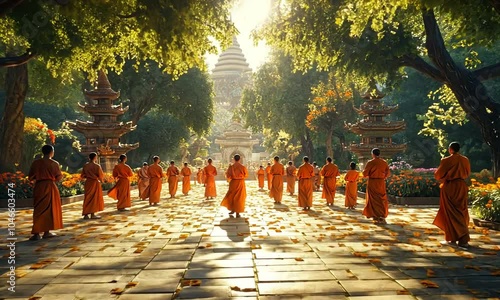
12	123
307	146
328	141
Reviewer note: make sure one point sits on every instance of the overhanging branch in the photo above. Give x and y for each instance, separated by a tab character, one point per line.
14	61
488	72
7	5
417	63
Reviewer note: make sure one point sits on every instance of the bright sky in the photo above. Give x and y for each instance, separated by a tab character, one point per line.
248	15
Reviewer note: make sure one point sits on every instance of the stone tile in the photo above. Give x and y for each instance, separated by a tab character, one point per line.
370	287
287	268
230	263
195	292
145	297
300	289
151	274
161	265
388	297
294	276
74	288
154	286
24	291
219	273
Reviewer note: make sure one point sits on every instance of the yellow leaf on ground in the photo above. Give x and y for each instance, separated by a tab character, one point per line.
116	291
403	292
299	259
374	260
131	284
429	284
430	273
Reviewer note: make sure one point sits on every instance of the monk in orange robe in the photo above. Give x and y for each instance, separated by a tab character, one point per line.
261	174
93	200
199	176
155	175
121	191
210	172
290	178
47	208
186	179
330	171
317	177
143	179
277	172
377	205
453	214
236	194
269	176
173	180
305	174
351	187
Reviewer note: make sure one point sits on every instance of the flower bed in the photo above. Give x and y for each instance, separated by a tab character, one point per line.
485	200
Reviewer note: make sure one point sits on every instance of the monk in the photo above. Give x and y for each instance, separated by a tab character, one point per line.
261	174
186	179
155	175
199	176
47	211
269	176
173	180
290	178
143	179
304	174
93	200
453	215
330	171
277	172
377	205
210	172
317	177
121	191
351	187
236	194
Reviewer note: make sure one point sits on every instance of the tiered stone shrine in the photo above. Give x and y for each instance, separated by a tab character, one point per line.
236	140
374	129
102	134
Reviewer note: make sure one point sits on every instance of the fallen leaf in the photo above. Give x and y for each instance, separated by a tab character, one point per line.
116	291
360	254
430	273
429	284
249	290
299	259
403	292
235	288
472	267
374	260
131	284
417	234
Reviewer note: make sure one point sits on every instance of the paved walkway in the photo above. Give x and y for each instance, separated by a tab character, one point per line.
189	248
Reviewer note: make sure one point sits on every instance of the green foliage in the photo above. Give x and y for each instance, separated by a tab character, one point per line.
486	204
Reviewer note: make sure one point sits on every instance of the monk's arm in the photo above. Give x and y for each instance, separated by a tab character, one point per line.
101	175
441	170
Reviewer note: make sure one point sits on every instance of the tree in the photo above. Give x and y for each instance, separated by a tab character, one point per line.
91	35
377	39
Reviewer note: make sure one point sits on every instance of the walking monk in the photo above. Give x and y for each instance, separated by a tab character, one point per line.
236	194
93	175
290	178
186	179
269	176
330	171
47	211
453	215
173	180
261	174
210	172
317	177
351	187
121	191
377	205
155	174
143	179
277	172
199	176
304	174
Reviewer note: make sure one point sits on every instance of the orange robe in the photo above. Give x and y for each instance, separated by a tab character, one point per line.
351	188
143	180
153	192
377	204
47	209
93	201
121	190
290	179
277	172
199	176
261	174
305	174
269	177
210	172
173	181
236	194
329	172
453	214
317	178
186	180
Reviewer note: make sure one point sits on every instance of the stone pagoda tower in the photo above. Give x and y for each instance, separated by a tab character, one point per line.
102	134
230	76
374	129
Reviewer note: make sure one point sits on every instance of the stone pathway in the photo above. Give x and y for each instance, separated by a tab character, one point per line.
189	248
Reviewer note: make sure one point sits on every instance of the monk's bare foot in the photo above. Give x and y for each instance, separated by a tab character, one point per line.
35	237
123	209
237	215
231	212
448	243
463	246
95	217
305	208
86	217
48	235
382	221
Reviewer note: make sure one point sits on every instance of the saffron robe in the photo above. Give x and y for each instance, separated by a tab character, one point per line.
261	174
290	179
47	208
351	188
153	192
210	173
199	176
269	177
277	171
453	214
305	174
236	194
186	180
143	180
377	204
93	199
173	180
329	172
121	190
317	178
